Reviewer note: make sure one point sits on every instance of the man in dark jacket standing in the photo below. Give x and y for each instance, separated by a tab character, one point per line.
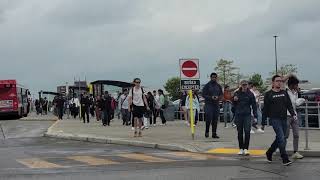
245	103
85	105
276	104
212	92
106	109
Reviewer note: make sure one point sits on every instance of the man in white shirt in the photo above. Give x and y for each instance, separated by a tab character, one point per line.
138	102
293	85
74	106
124	107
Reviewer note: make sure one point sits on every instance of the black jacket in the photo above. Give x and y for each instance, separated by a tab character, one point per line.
212	89
246	102
276	105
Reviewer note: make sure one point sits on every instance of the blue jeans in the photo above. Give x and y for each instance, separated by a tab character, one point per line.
227	111
280	128
243	123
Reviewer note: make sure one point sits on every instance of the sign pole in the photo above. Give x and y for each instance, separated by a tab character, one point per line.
191	113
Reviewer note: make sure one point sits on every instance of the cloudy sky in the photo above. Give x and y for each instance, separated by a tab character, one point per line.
45	43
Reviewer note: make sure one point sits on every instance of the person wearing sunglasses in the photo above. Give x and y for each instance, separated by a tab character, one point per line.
276	104
139	104
245	103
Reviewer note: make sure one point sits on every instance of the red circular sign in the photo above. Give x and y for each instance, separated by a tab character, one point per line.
189	69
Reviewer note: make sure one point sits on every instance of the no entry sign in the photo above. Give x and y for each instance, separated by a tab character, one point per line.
189	69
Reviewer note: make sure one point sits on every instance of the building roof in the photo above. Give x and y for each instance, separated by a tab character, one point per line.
113	83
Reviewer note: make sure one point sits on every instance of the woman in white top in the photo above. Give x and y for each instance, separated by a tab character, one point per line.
139	104
195	106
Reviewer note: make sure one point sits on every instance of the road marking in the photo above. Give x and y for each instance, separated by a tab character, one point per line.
195	156
36	163
235	151
143	157
92	160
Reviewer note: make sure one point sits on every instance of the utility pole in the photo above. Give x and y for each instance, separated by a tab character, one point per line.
275	52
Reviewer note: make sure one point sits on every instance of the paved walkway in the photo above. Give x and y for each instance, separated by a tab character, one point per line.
175	136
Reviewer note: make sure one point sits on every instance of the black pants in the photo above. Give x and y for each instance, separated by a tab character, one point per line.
106	118
163	119
212	115
60	112
244	125
85	113
155	113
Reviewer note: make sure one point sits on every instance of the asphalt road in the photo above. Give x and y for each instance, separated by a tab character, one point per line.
25	154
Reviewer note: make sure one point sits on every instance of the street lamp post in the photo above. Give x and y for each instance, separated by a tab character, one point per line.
275	52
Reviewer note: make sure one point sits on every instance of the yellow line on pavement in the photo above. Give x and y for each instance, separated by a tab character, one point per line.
195	156
235	151
38	163
92	160
143	157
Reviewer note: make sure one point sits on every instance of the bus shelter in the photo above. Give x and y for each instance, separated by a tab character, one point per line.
113	87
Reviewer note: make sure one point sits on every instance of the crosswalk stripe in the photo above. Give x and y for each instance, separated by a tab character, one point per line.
92	160
195	156
37	163
143	157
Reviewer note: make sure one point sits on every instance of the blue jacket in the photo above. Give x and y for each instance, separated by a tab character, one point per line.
246	103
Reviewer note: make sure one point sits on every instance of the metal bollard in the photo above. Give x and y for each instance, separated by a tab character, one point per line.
307	127
318	114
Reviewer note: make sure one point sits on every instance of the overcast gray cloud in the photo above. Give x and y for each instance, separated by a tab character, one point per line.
46	43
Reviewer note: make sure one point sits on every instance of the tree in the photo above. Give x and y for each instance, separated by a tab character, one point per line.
286	69
257	80
172	86
227	72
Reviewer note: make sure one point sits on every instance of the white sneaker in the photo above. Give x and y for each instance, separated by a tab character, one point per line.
259	130
132	128
252	131
154	125
246	152
234	125
188	124
226	126
297	156
241	152
147	127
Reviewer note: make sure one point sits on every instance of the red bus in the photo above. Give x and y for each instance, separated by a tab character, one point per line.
13	99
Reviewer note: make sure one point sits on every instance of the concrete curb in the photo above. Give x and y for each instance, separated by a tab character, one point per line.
38	120
117	141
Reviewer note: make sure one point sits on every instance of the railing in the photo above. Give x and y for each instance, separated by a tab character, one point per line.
304	112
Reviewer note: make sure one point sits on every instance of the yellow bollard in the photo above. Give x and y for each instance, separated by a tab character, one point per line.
191	113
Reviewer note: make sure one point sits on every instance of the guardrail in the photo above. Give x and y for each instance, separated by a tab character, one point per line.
305	108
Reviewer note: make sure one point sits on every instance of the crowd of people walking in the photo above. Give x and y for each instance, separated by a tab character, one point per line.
242	109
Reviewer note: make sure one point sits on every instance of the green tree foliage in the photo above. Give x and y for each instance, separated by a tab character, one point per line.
286	69
172	86
257	80
227	72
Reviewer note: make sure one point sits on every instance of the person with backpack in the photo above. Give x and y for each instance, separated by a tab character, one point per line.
124	107
85	107
163	106
139	104
195	107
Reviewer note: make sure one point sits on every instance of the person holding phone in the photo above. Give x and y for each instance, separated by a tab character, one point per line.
212	92
244	102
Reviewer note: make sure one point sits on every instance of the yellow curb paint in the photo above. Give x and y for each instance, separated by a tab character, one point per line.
92	160
52	126
195	156
235	151
143	157
36	163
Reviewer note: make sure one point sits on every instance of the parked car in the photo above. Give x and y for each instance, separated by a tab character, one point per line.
313	96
